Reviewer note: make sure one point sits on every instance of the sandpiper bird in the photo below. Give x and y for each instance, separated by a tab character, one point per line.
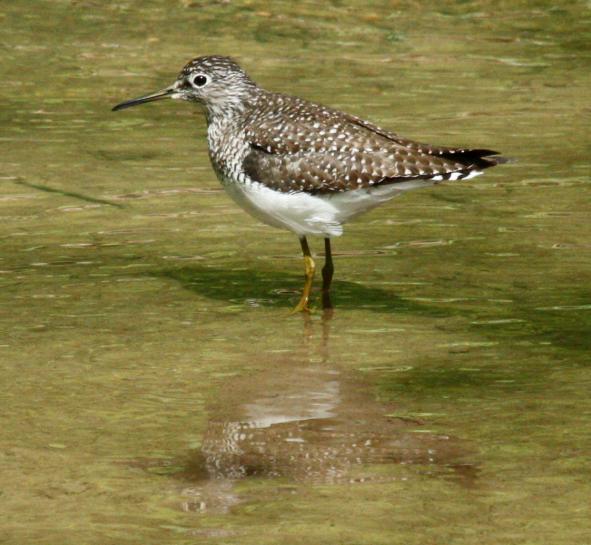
304	167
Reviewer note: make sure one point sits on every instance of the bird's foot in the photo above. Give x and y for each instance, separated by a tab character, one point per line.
302	306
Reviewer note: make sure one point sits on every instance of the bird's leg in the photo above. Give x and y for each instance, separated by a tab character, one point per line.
327	272
310	268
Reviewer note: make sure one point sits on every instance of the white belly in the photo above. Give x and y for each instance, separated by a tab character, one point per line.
301	213
305	214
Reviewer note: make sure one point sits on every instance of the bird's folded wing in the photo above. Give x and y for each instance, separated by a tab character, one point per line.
335	171
315	149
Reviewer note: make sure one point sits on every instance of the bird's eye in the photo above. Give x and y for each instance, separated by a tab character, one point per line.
200	80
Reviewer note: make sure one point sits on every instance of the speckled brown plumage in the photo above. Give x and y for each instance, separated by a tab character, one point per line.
296	145
290	145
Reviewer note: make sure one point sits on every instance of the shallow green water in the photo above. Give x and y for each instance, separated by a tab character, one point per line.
154	387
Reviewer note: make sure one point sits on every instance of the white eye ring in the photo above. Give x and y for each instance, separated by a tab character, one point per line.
199	80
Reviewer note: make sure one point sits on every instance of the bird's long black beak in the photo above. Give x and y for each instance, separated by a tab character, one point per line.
159	95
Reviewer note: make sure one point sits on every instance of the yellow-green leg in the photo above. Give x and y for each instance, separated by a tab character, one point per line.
310	268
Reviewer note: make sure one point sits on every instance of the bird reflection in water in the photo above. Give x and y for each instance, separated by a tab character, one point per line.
305	421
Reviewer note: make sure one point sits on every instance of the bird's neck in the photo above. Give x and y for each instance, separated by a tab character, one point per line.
222	113
229	109
221	125
223	137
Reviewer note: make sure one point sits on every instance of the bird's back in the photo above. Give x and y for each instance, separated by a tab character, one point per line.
296	145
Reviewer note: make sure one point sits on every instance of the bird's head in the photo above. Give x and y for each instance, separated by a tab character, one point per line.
215	82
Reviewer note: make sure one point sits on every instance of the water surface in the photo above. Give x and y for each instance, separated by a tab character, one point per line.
155	389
